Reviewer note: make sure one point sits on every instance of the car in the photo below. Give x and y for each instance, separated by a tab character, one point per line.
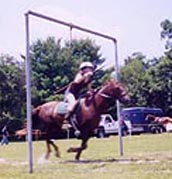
108	126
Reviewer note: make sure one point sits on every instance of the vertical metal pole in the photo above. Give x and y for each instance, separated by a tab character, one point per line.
71	35
117	102
28	73
28	95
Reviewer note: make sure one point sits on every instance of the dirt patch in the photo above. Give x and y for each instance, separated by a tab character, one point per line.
13	163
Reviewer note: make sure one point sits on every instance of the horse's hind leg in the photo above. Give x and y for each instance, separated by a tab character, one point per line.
48	149
57	153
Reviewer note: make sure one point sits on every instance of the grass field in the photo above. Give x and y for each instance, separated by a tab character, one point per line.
145	157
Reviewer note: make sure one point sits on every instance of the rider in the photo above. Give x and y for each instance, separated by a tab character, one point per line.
81	80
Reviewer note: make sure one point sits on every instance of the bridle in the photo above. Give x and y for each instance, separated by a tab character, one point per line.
105	95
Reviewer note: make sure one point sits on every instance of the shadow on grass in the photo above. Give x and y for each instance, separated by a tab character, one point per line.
122	160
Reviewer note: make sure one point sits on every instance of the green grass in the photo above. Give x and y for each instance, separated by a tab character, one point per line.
145	157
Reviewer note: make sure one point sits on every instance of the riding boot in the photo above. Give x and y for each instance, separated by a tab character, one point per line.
68	116
71	120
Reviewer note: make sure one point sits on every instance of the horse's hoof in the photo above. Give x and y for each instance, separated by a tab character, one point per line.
57	155
46	157
77	159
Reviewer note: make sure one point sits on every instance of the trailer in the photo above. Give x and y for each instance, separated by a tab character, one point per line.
135	117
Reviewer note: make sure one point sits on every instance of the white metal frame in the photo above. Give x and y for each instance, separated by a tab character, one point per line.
28	74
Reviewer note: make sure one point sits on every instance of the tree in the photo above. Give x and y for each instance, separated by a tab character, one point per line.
160	85
54	65
166	34
12	91
149	83
133	76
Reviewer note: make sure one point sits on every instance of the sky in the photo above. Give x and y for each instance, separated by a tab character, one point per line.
134	23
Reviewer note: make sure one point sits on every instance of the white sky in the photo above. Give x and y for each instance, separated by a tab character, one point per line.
134	23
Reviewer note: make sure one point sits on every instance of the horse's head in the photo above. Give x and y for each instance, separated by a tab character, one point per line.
113	89
150	117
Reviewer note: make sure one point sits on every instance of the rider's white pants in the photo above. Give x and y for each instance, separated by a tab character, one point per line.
70	98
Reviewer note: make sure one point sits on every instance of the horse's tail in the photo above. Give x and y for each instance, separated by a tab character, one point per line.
20	133
35	117
35	120
38	123
23	132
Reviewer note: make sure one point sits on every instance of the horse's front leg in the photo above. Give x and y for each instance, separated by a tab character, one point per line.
79	150
83	147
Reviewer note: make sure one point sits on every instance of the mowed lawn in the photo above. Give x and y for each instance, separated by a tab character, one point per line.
145	157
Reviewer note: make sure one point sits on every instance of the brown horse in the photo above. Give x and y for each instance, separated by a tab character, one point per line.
162	120
87	115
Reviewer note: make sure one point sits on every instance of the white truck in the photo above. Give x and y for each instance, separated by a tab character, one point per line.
108	126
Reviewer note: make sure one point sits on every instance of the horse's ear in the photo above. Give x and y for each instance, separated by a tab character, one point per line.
113	81
106	83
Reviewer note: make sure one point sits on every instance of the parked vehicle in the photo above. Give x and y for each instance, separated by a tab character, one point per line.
168	127
108	126
135	119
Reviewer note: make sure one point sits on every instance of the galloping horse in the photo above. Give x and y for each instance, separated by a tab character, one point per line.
87	115
161	120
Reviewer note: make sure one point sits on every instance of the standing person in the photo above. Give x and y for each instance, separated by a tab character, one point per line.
82	80
4	136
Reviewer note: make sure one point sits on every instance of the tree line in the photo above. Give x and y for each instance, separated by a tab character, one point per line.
54	64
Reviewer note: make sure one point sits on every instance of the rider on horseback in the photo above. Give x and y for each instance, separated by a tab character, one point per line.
81	80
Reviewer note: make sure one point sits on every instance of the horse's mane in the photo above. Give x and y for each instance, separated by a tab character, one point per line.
90	99
111	87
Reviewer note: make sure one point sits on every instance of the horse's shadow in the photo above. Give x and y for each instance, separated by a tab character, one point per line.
121	160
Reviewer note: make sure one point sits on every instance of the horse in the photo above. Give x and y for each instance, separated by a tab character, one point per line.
87	115
161	120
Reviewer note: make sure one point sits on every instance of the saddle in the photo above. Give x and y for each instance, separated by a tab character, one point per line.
61	109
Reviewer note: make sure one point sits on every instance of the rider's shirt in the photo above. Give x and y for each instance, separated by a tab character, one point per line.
80	82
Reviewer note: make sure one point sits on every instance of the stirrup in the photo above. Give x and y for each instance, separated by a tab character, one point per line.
77	132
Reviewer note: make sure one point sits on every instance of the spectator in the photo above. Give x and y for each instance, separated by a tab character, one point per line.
5	135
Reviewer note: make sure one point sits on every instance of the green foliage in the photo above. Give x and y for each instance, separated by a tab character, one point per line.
166	34
149	84
54	66
150	81
12	92
160	85
132	75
